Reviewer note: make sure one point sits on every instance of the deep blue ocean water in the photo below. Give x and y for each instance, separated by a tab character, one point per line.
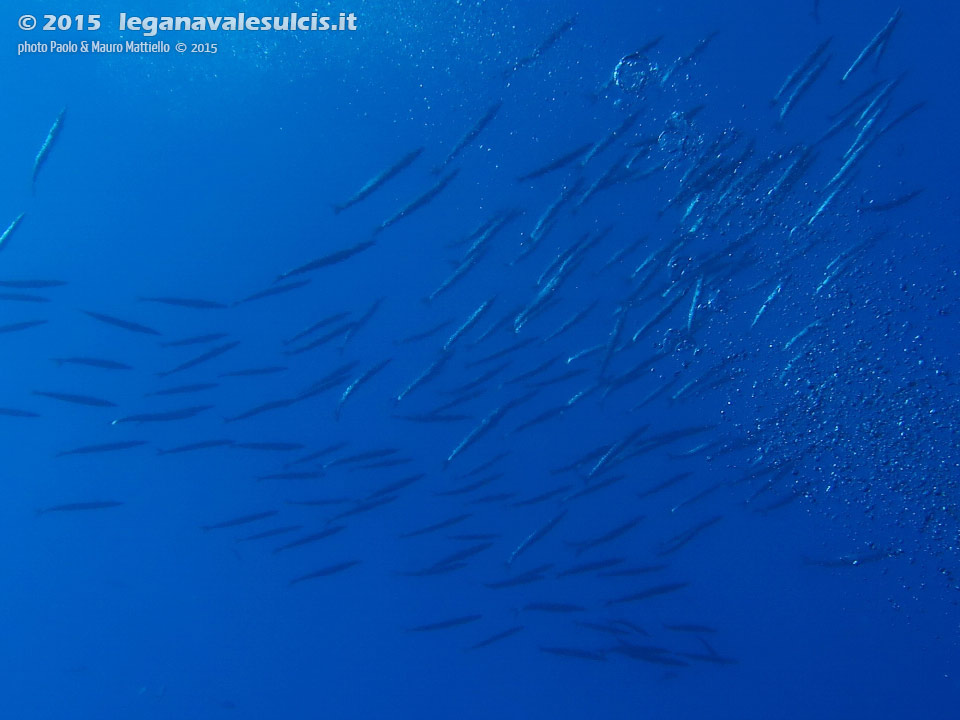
821	574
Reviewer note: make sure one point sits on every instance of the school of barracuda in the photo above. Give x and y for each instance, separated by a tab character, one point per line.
746	240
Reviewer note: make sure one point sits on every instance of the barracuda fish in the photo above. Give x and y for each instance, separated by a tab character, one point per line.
801	70
197	340
683	61
393	462
649	593
575	653
396	485
362	322
265	407
591	567
509	632
123	324
495	326
509	350
428	333
365	507
598	627
634	571
623	252
419	202
328	382
542	497
658	316
649	654
800	335
293	476
901	117
447	624
442	525
608	139
548	219
8	233
611	455
836	191
325	572
461	555
362	457
44	151
617	532
691	628
14	413
876	44
766	303
327	260
319	325
873	206
540	301
268	446
432	371
458	274
242	520
694	301
435	570
183	389
192	303
352	387
75	399
171	416
616	173
469	136
678	541
803	159
547	414
253	372
434	417
865	128
554	165
480	380
323	452
578	248
104	448
270	533
311	538
32	284
100	363
81	506
378	181
340	330
470	487
699	496
531	576
324	502
273	292
202	358
553	607
468	323
879	102
487	424
202	445
802	86
551	40
535	536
